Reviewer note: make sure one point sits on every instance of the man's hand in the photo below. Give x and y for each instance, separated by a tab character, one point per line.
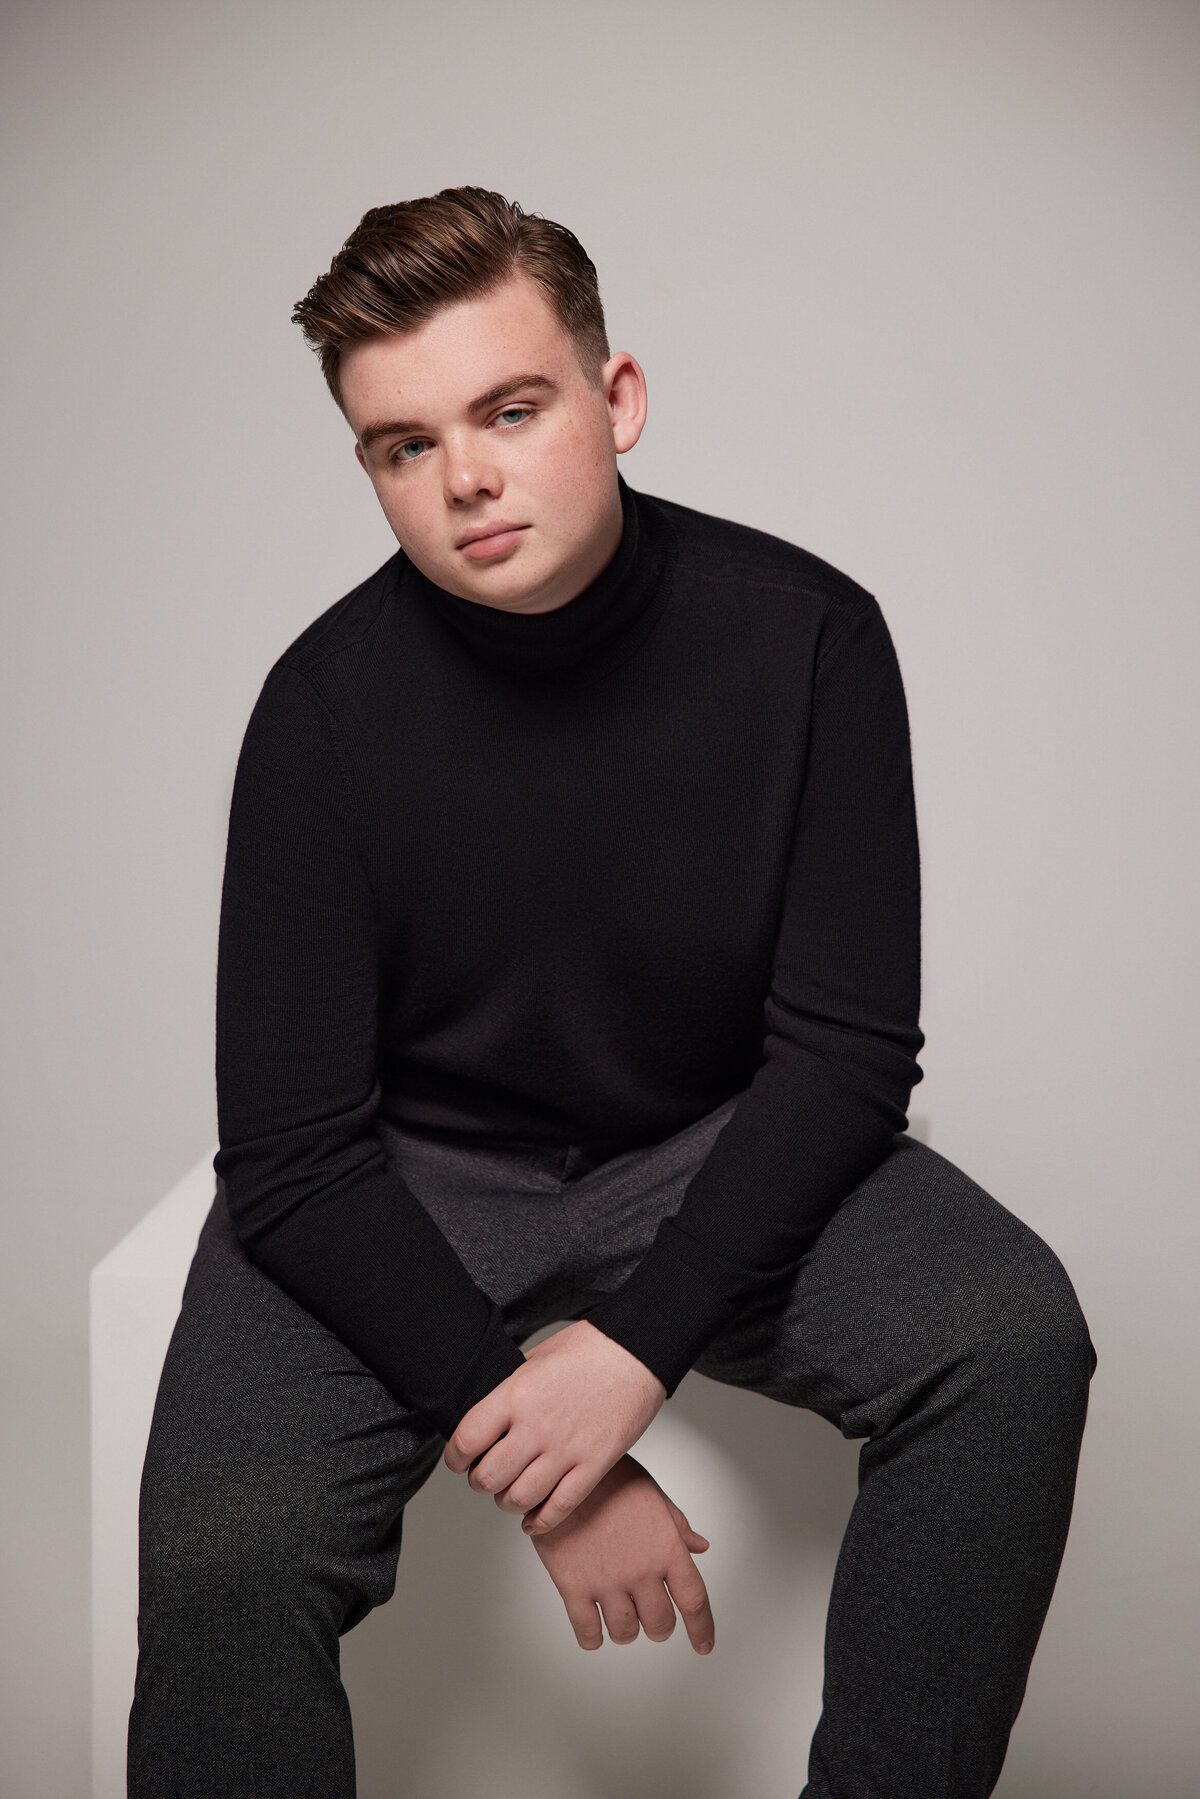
541	1440
627	1550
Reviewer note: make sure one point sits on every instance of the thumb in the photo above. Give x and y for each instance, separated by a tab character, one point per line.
692	1538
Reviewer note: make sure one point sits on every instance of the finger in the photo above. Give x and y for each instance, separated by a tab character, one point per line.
571	1491
536	1481
476	1432
691	1597
654	1609
585	1622
502	1463
620	1617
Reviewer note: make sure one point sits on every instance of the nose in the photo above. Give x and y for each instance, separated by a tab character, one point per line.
470	474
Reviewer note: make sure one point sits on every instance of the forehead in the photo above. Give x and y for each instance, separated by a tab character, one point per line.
459	353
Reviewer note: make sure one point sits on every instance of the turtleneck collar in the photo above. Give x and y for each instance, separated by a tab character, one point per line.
590	632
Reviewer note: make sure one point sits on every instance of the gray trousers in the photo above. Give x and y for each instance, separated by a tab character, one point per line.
926	1320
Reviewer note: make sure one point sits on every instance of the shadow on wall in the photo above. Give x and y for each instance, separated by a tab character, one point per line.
471	1679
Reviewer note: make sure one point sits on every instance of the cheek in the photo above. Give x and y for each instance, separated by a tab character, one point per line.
572	462
404	511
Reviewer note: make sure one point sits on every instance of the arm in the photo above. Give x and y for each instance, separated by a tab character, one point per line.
840	1042
841	1023
625	1554
307	1181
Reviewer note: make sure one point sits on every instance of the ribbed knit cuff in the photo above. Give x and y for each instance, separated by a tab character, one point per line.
495	1358
678	1298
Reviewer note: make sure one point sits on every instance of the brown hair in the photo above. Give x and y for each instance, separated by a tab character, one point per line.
403	263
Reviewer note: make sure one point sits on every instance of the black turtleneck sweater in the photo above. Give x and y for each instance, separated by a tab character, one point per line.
572	877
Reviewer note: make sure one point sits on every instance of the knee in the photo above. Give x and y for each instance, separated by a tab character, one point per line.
1033	1325
996	1295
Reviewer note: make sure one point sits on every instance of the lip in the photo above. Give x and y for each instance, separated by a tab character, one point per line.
495	539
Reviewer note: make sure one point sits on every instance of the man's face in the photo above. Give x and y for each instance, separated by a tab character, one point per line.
481	419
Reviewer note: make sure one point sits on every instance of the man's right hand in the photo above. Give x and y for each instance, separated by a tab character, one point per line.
625	1553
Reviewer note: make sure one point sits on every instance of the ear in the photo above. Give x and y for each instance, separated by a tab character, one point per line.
624	388
362	461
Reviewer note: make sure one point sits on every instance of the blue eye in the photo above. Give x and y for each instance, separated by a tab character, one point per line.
515	412
416	443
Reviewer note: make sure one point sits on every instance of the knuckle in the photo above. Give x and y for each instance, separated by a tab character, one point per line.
622	1624
587	1628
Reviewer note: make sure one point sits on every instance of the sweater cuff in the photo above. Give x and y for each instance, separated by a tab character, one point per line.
496	1357
678	1298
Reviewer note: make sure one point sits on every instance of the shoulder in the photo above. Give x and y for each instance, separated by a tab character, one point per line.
719	550
299	708
347	625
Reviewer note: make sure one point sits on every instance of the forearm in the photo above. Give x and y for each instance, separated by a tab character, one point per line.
799	1141
371	1265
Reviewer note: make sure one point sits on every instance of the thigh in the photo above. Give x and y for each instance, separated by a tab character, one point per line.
272	1446
919	1271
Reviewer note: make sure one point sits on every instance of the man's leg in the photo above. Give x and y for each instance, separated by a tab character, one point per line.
932	1322
276	1474
274	1483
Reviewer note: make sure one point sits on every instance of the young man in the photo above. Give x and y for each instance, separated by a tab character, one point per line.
569	970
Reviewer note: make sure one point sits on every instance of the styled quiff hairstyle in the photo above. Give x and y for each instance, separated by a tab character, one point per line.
404	263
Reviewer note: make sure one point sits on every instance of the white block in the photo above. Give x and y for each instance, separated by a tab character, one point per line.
135	1295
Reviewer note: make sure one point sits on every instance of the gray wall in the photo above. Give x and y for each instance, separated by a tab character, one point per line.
914	285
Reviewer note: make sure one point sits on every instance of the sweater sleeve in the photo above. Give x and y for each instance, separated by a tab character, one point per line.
307	1181
840	1025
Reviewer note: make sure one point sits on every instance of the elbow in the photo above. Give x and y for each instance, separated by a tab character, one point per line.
875	1057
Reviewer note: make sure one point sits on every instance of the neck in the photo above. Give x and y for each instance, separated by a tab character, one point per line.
597	626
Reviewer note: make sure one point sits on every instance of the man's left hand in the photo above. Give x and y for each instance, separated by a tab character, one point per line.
541	1440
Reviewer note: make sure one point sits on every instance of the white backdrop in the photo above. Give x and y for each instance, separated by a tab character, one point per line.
915	285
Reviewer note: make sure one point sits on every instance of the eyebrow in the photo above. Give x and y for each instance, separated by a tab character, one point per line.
371	434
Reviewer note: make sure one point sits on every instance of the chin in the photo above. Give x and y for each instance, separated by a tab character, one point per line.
511	586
